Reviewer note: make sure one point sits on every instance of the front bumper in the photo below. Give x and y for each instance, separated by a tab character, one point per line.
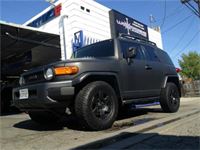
45	95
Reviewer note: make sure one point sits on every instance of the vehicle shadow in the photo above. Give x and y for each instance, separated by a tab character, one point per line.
127	112
71	122
138	141
31	125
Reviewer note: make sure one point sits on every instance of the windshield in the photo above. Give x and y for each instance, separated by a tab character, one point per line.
100	49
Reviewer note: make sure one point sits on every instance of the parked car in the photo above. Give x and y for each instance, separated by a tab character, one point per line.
97	81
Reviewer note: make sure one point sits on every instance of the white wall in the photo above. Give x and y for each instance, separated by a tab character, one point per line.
155	37
94	24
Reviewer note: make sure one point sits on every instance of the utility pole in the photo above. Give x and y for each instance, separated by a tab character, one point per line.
191	4
198	3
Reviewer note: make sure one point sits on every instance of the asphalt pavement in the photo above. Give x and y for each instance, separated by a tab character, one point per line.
143	128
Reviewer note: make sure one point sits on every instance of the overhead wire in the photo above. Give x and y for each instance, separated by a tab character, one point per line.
182	35
174	12
183	49
188	5
165	11
173	26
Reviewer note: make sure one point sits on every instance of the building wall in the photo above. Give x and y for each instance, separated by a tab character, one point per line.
155	37
93	21
86	15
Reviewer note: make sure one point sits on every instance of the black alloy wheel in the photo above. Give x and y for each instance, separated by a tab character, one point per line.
170	99
101	104
96	105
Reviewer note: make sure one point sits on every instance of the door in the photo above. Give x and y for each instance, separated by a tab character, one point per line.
133	77
153	70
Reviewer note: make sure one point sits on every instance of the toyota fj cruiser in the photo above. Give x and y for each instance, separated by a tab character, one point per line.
97	81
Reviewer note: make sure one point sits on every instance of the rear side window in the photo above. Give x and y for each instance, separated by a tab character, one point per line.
126	45
165	57
150	53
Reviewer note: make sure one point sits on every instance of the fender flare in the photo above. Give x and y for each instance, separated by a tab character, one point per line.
166	78
85	75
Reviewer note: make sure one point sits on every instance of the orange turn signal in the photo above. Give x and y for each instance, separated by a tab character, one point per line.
68	70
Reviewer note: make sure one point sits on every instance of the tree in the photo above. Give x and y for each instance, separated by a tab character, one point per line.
190	65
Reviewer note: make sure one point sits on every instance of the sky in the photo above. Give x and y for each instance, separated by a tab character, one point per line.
180	28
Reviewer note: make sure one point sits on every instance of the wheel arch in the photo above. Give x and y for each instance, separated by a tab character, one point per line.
110	78
174	79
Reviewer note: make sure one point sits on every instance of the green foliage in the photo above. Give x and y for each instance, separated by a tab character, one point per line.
190	65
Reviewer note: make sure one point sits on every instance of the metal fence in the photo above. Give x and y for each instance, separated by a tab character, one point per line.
191	89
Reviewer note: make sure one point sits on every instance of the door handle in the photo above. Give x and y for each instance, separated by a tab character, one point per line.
147	67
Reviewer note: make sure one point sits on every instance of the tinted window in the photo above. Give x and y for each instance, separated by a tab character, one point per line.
150	54
100	49
165	57
126	45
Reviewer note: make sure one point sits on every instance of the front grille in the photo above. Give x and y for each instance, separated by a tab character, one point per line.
34	77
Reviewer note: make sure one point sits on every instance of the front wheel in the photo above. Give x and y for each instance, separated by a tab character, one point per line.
170	99
96	105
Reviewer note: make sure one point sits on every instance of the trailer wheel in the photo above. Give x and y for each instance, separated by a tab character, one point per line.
96	106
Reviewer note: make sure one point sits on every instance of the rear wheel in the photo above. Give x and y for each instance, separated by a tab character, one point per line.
44	117
170	99
96	105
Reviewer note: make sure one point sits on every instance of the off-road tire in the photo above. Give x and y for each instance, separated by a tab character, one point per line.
170	99
85	100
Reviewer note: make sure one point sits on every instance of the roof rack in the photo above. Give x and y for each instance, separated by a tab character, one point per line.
122	35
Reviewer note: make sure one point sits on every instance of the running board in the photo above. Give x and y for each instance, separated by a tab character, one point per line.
141	100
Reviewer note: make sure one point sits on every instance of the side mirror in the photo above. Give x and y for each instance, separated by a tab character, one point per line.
131	52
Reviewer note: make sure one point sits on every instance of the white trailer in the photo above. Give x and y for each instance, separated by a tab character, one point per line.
72	16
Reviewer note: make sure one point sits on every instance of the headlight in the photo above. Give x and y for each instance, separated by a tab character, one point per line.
49	74
21	80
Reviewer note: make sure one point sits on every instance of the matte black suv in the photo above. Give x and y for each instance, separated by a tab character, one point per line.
97	81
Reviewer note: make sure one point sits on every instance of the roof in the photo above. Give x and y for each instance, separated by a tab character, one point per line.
17	40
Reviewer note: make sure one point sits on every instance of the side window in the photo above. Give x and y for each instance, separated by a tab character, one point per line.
150	54
165	57
100	49
126	45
